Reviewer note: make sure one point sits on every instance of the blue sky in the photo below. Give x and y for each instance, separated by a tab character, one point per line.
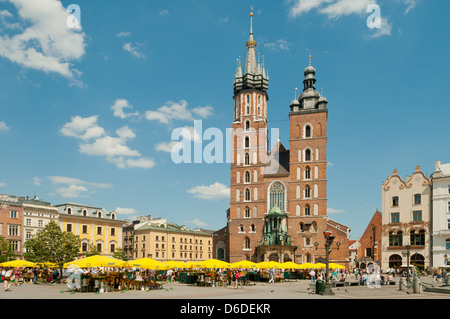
86	115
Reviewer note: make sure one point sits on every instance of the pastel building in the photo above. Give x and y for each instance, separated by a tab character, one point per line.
96	227
406	220
441	214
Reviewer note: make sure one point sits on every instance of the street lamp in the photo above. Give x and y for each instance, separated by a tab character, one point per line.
328	241
408	247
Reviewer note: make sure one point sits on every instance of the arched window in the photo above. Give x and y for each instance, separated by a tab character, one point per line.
301	227
298	173
247	212
69	211
255	212
277	194
307	172
307	131
395	239
417	238
297	210
313	227
307	210
255	193
255	176
247	194
299	155
113	216
252	228
238	177
238	212
308	155
247	243
247	159
297	193
238	195
307	191
247	125
247	178
241	228
247	142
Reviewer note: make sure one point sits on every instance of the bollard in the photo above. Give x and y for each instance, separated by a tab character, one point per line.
416	285
400	284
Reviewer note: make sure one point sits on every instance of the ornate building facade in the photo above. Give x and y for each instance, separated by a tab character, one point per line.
406	220
278	200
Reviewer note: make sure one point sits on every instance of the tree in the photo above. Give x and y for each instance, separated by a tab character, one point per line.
51	244
120	254
6	252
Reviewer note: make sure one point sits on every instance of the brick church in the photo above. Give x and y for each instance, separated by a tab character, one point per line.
278	199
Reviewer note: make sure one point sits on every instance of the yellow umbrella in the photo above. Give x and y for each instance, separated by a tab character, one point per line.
175	264
18	263
306	266
97	261
146	263
320	266
244	264
212	263
47	265
269	264
335	266
290	265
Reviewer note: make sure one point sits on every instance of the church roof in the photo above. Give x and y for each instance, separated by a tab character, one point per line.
278	164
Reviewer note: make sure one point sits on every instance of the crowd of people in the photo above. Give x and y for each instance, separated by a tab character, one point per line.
18	275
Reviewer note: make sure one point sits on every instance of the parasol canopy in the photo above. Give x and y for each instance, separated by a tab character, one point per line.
18	263
147	263
269	264
212	263
335	266
244	264
96	261
290	265
306	266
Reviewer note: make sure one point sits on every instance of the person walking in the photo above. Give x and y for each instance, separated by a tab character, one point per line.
17	275
229	276
312	274
7	274
271	276
35	276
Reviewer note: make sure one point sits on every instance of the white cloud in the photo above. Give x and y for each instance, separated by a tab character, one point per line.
3	126
73	187
97	143
334	211
123	34
385	29
47	44
2	184
163	12
334	9
37	181
83	128
118	107
135	49
173	111
280	44
216	191
411	5
125	211
168	147
197	222
72	191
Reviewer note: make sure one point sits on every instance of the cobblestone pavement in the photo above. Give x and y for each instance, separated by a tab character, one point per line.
288	290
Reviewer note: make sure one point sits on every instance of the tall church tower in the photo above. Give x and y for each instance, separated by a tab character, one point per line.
248	154
308	170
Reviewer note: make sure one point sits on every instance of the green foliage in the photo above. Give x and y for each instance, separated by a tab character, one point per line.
120	254
51	244
6	252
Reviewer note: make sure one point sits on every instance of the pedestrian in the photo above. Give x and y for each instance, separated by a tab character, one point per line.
16	276
235	278
312	274
35	276
55	275
7	274
271	276
229	276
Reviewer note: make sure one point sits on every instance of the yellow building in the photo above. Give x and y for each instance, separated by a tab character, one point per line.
97	228
168	242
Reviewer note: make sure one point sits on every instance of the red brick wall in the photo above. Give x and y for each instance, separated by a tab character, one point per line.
6	221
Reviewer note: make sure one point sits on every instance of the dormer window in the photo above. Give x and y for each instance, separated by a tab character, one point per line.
99	214
69	211
84	212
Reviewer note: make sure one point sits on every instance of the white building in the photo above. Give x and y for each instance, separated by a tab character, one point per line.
36	214
406	220
441	214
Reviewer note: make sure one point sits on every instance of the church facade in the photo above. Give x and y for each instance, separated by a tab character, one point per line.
278	196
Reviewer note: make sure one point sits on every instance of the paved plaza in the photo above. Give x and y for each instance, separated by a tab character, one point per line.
288	290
